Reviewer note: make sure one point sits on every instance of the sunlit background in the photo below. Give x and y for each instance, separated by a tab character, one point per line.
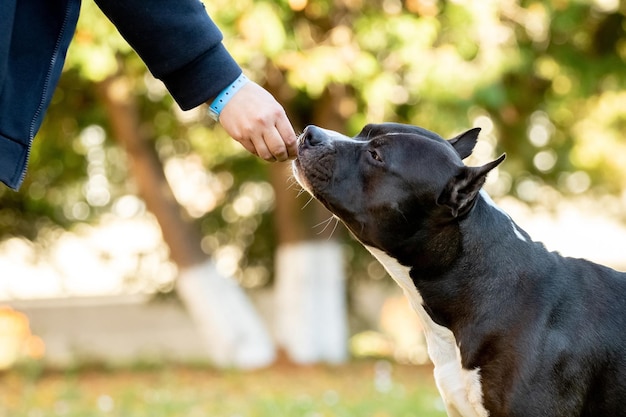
102	207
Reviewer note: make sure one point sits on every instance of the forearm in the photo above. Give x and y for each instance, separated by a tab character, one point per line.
179	43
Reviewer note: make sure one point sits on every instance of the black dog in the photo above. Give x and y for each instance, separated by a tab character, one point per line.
512	329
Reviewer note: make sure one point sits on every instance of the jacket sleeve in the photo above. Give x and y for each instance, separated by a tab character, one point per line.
179	43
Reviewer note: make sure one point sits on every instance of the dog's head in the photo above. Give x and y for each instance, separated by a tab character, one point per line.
392	183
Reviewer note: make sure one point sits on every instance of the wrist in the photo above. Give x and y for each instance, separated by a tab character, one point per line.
218	104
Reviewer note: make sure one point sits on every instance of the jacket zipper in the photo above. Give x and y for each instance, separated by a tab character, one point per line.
71	5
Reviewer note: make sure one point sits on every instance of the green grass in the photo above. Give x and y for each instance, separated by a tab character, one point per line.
352	390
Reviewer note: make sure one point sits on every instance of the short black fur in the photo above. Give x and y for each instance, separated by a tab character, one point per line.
547	332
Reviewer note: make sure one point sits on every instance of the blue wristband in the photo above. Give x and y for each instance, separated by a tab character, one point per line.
224	97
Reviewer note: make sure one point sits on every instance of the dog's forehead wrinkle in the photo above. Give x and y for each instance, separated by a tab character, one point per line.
411	134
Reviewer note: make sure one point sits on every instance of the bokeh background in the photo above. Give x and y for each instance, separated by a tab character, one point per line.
126	194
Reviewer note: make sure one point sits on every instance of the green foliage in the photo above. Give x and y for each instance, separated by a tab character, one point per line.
552	69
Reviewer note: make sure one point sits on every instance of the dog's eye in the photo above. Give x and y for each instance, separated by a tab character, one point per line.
375	155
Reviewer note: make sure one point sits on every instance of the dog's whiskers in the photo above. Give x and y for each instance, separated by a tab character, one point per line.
307	203
334	228
292	181
327	223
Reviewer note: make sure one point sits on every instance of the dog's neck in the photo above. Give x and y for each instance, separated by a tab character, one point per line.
481	271
441	240
460	388
454	336
433	250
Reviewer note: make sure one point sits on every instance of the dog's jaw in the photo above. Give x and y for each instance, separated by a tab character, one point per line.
297	174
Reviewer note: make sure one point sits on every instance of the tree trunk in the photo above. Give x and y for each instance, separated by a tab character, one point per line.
311	309
226	319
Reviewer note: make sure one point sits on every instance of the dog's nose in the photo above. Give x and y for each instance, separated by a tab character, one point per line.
314	136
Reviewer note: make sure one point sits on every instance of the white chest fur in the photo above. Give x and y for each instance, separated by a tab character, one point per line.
460	388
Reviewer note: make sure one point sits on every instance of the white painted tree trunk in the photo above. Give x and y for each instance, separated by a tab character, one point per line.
226	319
310	314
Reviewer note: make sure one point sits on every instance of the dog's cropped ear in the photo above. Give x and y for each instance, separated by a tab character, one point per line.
465	142
460	193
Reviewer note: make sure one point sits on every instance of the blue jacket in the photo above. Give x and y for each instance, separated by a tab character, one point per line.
175	38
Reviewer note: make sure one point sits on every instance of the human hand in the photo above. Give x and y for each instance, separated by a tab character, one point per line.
256	120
